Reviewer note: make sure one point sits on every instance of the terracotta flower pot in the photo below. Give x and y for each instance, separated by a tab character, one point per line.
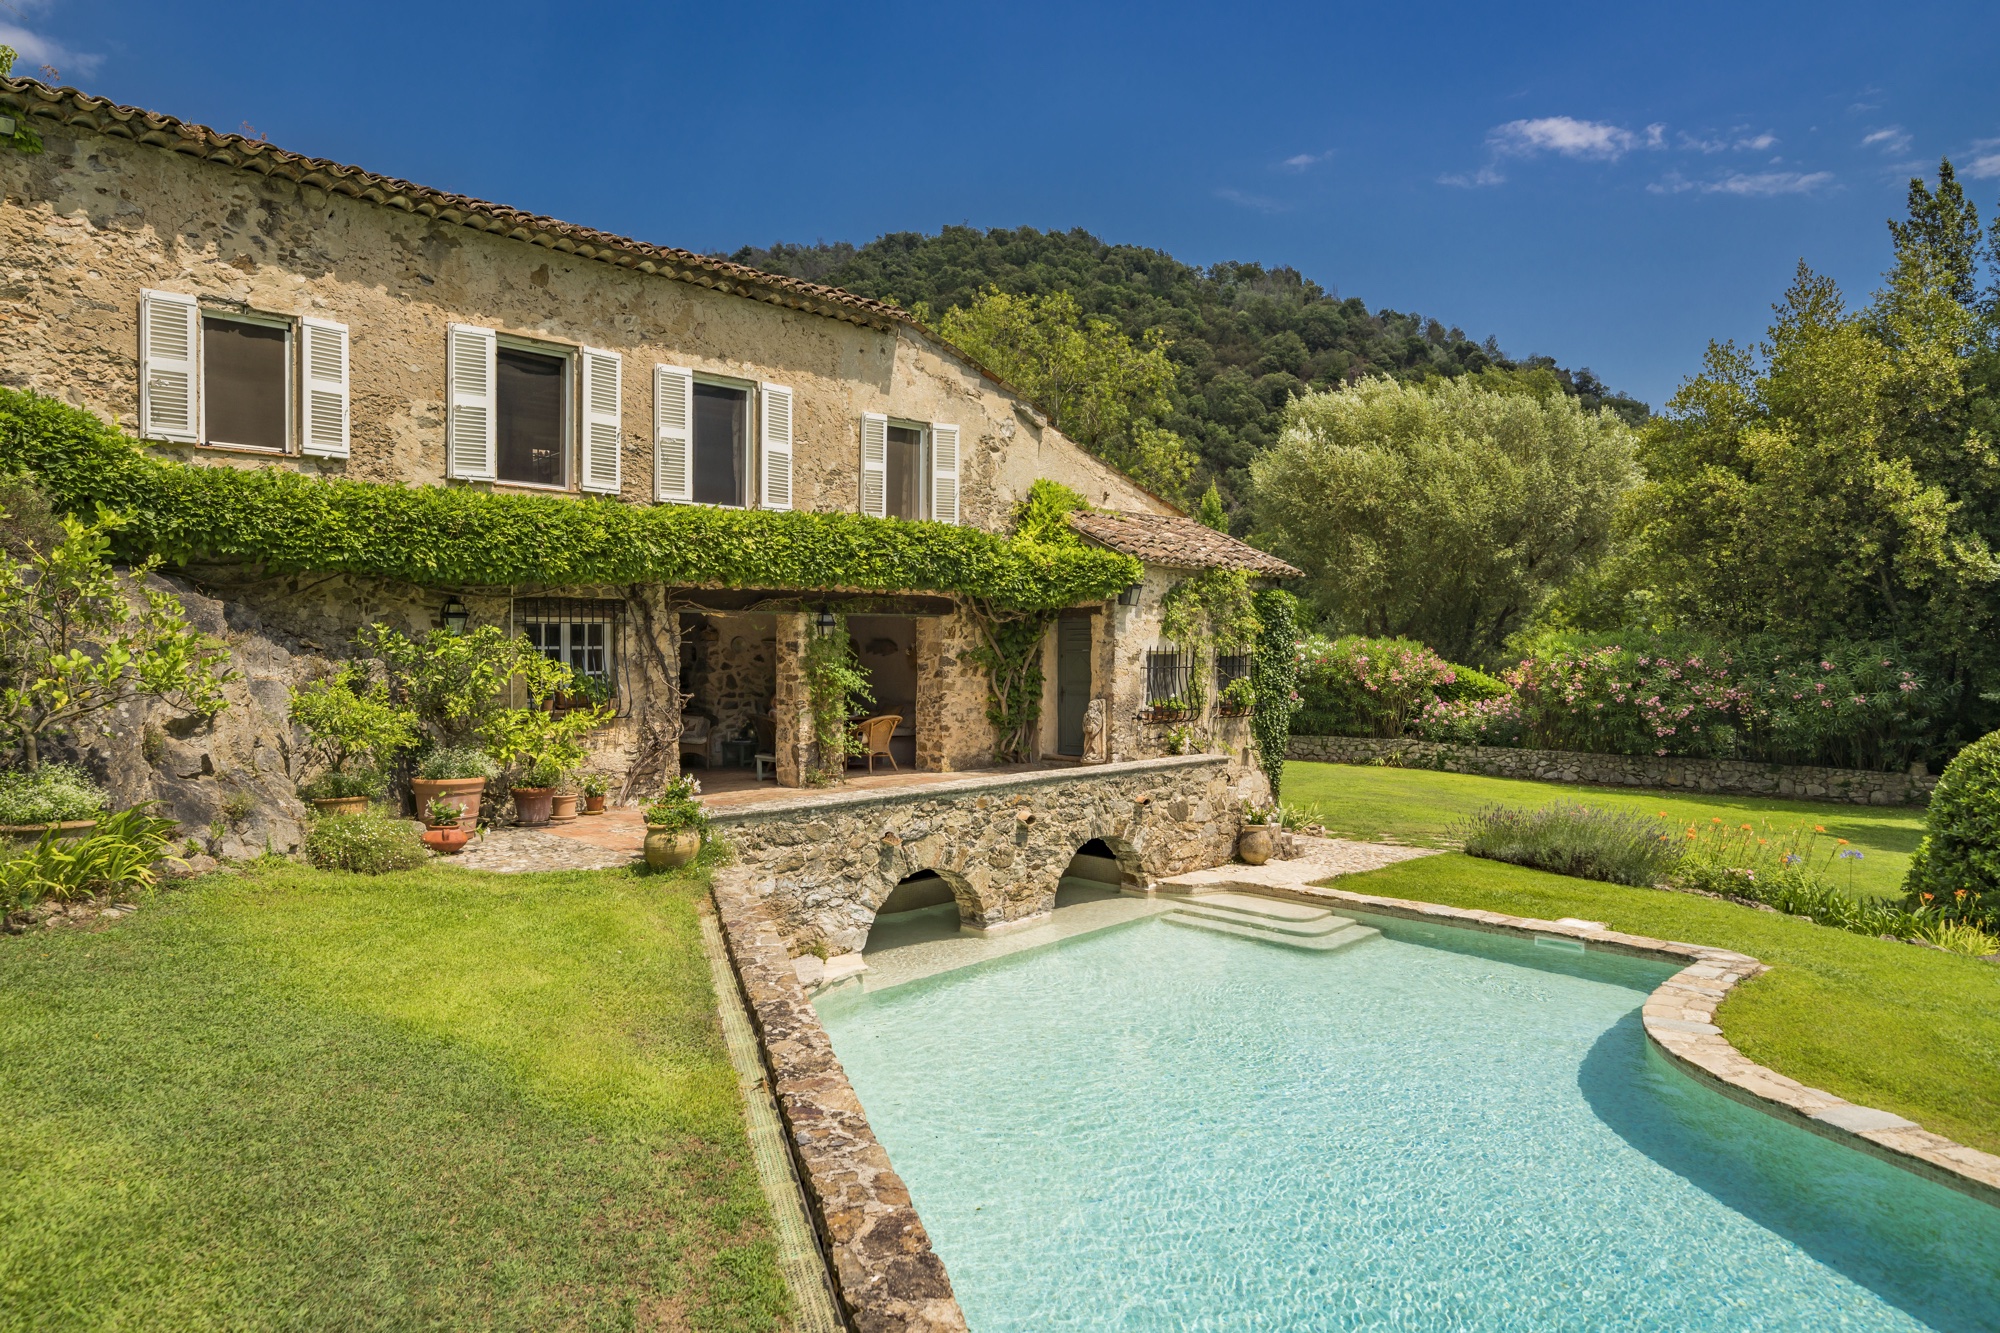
461	792
1254	844
446	839
532	805
341	805
668	849
563	809
593	805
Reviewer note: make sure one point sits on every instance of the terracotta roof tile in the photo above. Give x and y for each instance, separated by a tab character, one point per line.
1179	543
68	106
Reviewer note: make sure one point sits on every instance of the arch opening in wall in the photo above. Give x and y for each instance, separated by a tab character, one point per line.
922	907
1093	873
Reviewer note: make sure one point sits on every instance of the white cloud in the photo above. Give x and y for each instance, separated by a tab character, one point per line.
1565	135
1474	180
37	50
1745	184
1301	161
1737	140
1259	202
1890	140
1983	167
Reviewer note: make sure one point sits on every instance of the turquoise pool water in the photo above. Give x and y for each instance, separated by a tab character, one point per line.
1153	1128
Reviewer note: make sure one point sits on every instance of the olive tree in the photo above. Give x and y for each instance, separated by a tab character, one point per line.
1446	511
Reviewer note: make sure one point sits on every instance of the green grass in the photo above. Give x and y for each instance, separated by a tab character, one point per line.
1418	806
1887	1025
438	1099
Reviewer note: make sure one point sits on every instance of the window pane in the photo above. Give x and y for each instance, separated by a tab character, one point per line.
530	422
243	382
721	429
909	473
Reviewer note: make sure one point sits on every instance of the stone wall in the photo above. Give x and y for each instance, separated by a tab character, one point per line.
822	863
88	223
735	673
1730	776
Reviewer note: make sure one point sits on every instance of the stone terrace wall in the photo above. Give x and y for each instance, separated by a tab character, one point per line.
1730	776
821	863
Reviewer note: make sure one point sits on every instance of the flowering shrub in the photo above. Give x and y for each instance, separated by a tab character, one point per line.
1375	687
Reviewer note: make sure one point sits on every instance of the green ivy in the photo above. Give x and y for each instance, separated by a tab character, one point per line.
285	522
1276	679
1209	611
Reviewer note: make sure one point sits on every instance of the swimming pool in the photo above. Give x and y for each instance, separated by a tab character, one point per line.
1152	1128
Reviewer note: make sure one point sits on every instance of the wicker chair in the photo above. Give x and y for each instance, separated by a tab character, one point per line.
874	733
697	738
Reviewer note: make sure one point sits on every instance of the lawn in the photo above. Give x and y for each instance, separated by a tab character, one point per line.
1419	806
293	1099
1889	1025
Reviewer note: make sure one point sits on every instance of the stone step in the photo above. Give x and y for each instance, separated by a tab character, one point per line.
1255	905
1323	924
1349	933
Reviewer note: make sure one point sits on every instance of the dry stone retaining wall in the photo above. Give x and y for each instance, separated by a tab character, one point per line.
1731	776
822	863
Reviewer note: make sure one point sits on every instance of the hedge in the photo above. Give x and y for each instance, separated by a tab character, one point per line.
285	522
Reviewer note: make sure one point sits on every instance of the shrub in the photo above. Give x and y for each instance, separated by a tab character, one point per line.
456	762
1276	672
334	785
354	729
51	794
1573	839
371	843
117	854
1354	686
1956	870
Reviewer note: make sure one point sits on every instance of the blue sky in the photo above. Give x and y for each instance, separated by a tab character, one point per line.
1611	185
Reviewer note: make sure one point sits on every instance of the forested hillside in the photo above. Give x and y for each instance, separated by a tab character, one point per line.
1244	339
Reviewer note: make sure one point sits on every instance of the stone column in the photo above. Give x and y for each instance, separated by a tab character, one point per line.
794	702
931	691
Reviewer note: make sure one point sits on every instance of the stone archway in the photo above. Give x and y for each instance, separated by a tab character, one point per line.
1094	872
925	905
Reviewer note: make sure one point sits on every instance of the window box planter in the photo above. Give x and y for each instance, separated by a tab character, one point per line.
1231	710
533	805
465	793
1166	713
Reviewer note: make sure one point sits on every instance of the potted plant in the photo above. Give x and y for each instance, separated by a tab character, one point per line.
457	774
353	731
1256	843
596	787
444	831
1238	698
675	824
534	792
563	808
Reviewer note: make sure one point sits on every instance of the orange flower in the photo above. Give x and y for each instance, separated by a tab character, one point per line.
1715	819
1746	828
1841	841
1819	828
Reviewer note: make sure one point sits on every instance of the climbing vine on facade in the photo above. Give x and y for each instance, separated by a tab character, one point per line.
1275	674
1010	649
834	684
1210	612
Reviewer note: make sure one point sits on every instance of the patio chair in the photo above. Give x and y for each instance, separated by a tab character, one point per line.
874	733
767	742
697	738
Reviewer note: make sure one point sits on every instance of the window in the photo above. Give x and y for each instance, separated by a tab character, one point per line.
909	472
245	382
531	416
575	631
721	445
1169	678
1228	670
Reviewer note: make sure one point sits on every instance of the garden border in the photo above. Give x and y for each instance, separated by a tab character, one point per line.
1738	777
884	1270
1679	1018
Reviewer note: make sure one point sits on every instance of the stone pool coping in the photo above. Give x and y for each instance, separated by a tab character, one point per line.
1679	1018
884	1270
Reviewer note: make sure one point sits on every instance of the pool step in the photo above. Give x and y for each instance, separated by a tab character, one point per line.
1273	920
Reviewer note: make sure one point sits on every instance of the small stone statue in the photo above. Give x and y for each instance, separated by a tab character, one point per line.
1093	732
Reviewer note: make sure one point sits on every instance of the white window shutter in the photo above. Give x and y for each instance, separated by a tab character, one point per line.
944	473
673	434
469	453
169	371
776	438
603	443
326	388
874	464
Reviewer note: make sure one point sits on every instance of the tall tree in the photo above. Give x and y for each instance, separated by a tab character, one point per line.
1443	511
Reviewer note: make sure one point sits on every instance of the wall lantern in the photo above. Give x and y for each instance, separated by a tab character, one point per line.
7	127
453	616
825	622
1130	597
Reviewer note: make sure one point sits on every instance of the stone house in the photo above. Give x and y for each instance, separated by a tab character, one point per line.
241	306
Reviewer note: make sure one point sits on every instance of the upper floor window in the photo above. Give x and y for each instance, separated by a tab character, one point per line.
721	453
531	416
240	380
908	469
